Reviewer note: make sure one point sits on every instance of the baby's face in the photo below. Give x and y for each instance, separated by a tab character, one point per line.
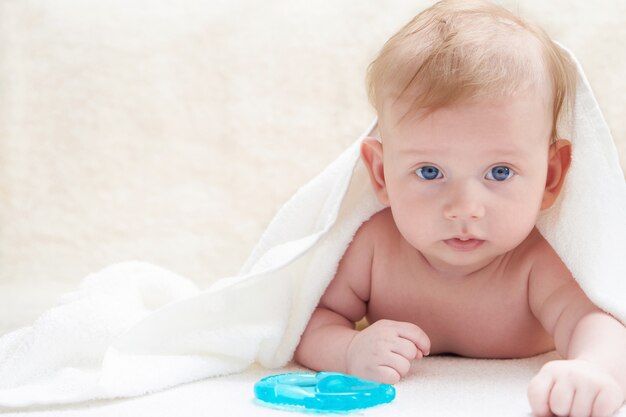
465	184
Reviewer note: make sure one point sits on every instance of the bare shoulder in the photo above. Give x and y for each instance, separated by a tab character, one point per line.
349	291
551	287
548	272
374	232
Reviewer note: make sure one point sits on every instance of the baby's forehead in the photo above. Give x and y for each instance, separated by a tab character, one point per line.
524	117
397	112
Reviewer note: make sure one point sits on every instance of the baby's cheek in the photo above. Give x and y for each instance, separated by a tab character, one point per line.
517	227
415	225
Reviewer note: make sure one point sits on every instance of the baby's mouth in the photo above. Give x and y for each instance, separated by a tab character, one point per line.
464	245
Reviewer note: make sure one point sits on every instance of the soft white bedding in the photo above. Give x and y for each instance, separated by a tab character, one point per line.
437	386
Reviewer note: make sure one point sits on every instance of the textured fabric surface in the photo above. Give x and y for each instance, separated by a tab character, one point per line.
437	387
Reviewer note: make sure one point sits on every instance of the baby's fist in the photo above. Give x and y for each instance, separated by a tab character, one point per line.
383	352
575	388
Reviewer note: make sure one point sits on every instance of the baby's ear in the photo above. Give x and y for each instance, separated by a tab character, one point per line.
372	155
559	159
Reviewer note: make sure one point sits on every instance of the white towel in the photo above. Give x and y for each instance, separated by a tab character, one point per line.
135	328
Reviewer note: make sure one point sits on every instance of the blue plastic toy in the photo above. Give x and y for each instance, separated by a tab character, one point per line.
325	392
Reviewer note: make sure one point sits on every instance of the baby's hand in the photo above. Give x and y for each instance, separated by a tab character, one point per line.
575	388
383	351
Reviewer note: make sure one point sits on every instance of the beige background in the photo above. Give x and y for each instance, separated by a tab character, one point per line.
171	132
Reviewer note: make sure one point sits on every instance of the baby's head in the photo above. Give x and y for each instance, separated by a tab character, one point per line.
469	98
461	51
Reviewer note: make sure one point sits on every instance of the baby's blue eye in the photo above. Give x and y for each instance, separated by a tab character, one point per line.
499	173
428	172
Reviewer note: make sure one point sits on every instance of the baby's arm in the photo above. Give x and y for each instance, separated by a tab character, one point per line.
383	351
592	379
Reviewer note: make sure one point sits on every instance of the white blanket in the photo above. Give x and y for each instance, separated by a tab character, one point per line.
135	328
480	387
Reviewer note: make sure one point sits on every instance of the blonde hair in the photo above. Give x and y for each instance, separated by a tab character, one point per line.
462	50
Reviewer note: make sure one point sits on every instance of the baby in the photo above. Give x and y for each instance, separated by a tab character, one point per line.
469	99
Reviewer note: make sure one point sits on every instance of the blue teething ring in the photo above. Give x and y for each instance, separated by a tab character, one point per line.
325	392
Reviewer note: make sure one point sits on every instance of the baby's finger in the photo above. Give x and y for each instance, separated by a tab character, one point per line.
607	402
387	375
539	394
406	348
416	335
583	402
399	363
561	398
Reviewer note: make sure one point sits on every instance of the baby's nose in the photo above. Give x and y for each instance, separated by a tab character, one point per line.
464	204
